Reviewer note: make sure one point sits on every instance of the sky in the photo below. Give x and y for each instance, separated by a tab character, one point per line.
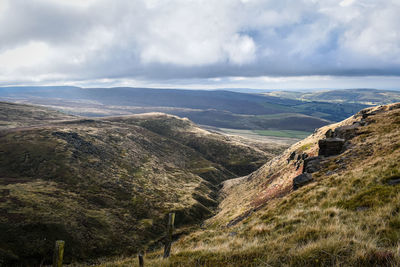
265	44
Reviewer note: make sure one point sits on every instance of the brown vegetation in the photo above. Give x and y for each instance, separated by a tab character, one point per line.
348	216
105	185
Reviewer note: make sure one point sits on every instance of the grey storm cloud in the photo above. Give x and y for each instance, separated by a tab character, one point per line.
178	39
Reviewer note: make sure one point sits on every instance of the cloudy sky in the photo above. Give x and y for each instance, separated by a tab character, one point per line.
201	43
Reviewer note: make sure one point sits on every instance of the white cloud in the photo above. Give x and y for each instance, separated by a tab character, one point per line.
240	49
3	7
193	33
181	39
29	55
78	3
378	38
345	3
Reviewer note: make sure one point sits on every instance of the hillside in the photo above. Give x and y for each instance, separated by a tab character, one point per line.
329	200
360	96
105	185
14	115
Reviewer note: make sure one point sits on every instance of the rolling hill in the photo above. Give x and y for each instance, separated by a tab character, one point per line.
216	108
105	185
360	96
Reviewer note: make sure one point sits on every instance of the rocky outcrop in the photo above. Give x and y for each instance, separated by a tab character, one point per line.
312	164
330	146
292	156
335	142
301	180
348	132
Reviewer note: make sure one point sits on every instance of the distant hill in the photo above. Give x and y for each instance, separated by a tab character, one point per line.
213	108
105	185
360	96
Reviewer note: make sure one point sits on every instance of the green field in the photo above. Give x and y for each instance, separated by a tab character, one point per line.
283	133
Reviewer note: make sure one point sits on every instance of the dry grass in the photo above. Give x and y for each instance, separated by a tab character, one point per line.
105	185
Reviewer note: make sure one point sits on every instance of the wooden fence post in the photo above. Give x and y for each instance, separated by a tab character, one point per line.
170	230
58	253
141	260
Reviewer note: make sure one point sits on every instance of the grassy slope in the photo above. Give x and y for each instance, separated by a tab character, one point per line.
16	115
349	215
105	185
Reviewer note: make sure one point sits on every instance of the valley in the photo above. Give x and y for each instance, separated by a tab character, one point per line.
105	185
331	199
236	133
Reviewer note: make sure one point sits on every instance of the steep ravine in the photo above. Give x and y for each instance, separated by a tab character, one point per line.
106	185
330	200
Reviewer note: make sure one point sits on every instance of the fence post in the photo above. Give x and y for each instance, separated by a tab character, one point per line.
141	260
170	230
58	253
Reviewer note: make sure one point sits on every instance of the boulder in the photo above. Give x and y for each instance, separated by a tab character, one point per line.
394	181
329	133
330	146
301	180
347	132
292	156
312	164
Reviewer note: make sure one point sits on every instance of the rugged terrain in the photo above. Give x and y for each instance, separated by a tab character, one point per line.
105	185
332	199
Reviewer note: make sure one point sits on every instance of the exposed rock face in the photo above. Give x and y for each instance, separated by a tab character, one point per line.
348	132
335	142
330	146
312	164
301	180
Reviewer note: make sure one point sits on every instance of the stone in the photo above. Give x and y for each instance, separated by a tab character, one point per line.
312	164
301	180
292	156
329	133
361	208
330	146
394	181
232	233
298	165
347	132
